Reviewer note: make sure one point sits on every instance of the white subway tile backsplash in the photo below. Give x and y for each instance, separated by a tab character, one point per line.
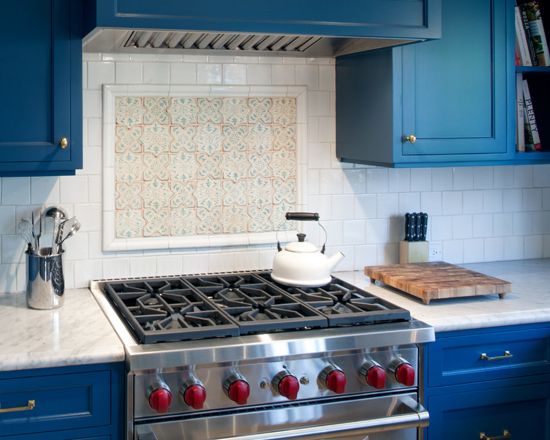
399	179
16	191
156	73
513	247
442	179
421	179
128	73
209	73
533	246
477	213
99	73
431	203
463	178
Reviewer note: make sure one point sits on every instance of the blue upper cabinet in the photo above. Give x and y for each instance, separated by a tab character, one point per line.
40	87
416	19
443	102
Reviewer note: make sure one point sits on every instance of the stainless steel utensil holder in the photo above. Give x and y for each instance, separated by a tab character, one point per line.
45	281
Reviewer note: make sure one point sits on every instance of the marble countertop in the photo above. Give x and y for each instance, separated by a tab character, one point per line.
76	333
529	301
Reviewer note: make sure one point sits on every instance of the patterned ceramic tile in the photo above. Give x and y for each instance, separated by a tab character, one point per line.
129	111
204	165
129	223
156	110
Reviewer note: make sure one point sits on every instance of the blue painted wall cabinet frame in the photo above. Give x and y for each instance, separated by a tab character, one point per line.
416	19
40	87
454	95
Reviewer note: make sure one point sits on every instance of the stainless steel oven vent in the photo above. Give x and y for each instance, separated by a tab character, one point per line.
205	41
215	43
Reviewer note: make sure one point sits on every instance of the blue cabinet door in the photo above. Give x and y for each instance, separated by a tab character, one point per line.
40	87
521	409
456	91
454	95
373	18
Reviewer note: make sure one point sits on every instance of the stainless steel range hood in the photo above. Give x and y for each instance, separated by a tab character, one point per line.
162	41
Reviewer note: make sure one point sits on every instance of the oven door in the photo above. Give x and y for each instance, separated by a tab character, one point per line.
373	418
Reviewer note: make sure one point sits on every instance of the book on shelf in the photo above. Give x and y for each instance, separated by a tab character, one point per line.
531	124
520	114
537	34
521	39
528	37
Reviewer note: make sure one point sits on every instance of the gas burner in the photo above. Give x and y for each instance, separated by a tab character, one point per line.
256	305
197	307
168	310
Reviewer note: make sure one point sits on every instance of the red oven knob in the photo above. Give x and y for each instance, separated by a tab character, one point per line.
334	379
286	384
404	374
239	391
376	377
194	396
160	399
373	374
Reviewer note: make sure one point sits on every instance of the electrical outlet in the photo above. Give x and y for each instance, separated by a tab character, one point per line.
436	252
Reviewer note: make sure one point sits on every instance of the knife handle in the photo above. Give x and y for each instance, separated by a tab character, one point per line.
424	226
414	219
407	227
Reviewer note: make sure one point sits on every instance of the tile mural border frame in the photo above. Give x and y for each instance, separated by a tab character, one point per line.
111	92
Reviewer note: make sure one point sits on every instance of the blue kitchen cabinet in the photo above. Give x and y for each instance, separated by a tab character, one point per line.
80	402
40	87
445	102
409	19
492	381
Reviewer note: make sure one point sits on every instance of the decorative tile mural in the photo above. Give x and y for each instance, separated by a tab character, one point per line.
203	165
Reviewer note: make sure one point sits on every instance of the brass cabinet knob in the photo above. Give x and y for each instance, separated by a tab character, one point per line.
63	143
410	138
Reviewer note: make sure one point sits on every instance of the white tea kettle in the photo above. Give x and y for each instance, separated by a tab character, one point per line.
301	263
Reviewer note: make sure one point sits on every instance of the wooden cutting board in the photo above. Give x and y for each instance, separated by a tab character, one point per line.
437	280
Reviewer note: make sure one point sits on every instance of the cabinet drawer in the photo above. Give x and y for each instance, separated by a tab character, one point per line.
520	409
488	354
62	401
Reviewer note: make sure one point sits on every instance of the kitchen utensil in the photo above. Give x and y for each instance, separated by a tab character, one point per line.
437	280
414	219
24	228
301	263
68	229
57	216
424	226
45	281
408	232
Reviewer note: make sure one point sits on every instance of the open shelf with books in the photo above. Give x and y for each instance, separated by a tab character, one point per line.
532	18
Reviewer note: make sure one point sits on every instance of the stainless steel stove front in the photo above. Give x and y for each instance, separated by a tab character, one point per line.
316	413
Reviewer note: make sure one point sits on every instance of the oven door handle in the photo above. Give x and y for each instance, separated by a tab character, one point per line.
412	415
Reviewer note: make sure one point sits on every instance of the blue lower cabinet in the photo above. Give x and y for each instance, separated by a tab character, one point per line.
41	87
522	410
492	381
84	402
440	103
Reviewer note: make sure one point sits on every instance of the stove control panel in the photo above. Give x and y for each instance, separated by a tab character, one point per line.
274	380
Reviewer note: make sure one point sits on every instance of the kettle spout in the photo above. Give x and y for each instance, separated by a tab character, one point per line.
334	260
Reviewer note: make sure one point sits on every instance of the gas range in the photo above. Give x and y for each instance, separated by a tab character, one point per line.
239	356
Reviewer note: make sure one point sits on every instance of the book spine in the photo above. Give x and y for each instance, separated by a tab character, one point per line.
538	36
522	40
529	111
520	113
527	30
528	133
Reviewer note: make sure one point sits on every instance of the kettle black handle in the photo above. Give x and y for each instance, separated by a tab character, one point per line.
303	216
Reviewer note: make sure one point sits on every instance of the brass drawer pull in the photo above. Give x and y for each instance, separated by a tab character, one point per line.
31	404
506	355
505	434
409	138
